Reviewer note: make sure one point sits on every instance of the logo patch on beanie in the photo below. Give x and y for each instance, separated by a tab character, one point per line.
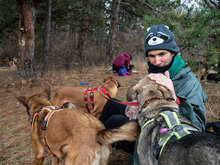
155	39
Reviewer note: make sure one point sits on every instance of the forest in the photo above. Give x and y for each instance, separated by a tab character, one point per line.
40	36
57	43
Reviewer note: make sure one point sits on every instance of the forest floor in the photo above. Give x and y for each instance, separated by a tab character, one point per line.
15	143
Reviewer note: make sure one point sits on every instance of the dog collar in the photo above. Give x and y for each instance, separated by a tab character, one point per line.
116	84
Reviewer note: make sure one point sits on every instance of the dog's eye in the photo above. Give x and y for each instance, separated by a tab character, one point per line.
151	35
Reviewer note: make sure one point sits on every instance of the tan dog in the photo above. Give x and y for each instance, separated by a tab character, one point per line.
71	135
75	95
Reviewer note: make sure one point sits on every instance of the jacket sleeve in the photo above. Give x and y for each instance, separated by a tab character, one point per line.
127	62
192	99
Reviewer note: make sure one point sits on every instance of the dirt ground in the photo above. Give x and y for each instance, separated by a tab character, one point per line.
15	144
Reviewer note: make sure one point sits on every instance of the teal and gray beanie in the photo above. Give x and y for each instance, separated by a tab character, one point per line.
159	37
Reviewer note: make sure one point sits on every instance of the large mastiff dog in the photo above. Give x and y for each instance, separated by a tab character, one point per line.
166	137
76	96
71	136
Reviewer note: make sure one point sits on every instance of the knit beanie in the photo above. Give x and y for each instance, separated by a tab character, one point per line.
159	37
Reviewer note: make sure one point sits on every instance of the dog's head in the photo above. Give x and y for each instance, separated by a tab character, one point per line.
111	80
35	102
146	91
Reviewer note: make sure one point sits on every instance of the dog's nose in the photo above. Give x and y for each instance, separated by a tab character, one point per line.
154	39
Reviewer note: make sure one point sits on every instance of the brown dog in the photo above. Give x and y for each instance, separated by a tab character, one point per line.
71	135
75	95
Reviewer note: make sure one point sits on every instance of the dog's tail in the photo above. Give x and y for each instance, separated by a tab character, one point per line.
128	131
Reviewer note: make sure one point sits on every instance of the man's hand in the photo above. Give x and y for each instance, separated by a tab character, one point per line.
164	80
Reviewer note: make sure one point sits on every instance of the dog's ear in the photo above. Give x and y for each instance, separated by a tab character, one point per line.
166	92
132	92
137	88
107	78
23	100
47	91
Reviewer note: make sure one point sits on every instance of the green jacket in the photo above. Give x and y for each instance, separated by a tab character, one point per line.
192	96
189	90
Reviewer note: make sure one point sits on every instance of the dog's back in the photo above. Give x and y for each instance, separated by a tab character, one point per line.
82	134
76	96
69	94
196	148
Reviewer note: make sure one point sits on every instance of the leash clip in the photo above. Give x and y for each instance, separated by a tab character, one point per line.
176	128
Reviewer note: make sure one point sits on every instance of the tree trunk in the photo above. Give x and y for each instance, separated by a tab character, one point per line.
26	62
100	41
112	33
68	59
82	39
46	38
218	68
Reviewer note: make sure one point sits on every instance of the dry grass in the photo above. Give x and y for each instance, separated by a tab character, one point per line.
15	145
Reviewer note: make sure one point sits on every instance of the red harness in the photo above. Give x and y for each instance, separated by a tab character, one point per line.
100	89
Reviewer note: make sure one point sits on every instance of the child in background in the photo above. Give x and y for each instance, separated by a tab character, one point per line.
122	61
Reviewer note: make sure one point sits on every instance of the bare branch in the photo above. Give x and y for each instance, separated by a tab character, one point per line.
211	4
153	9
130	10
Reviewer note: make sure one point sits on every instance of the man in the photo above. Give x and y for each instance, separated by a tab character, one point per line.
162	52
167	68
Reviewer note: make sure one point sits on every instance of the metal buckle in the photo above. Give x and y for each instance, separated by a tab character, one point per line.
176	128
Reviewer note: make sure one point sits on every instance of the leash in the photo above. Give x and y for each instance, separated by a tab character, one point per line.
125	103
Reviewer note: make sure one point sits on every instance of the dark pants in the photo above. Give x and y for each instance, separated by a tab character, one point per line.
113	116
115	68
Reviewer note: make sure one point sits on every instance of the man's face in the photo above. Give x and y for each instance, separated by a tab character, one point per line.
160	58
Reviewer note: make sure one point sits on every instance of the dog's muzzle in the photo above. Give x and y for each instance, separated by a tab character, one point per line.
146	103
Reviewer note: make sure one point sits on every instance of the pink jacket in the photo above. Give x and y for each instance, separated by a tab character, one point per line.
123	60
